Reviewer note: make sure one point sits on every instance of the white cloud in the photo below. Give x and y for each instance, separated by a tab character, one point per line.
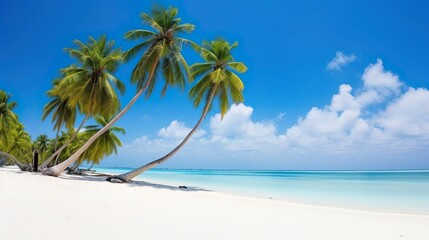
237	124
375	122
340	60
178	130
408	115
376	77
379	85
331	123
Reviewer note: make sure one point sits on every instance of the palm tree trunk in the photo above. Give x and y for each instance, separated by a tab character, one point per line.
55	145
58	152
130	175
92	165
56	170
21	166
56	159
76	165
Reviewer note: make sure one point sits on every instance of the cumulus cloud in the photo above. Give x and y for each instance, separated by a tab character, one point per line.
407	116
340	60
178	130
378	84
383	119
331	123
237	124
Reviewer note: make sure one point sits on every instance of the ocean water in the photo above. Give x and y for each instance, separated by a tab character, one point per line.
392	191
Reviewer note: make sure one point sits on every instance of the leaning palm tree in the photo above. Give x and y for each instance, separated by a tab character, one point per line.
217	80
162	56
19	147
91	84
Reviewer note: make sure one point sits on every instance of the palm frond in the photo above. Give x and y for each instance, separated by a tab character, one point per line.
138	33
238	66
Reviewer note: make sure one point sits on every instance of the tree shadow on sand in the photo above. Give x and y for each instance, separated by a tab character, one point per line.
134	183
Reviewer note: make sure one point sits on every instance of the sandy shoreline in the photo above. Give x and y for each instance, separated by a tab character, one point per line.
74	207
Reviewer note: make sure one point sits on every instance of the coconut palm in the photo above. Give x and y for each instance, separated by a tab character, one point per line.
63	115
217	80
90	85
41	144
21	144
105	145
8	126
162	56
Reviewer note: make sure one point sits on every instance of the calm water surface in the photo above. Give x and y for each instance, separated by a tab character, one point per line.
394	191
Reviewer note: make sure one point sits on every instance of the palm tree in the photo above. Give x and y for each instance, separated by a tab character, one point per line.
162	55
91	84
8	126
21	144
73	146
63	115
41	145
105	145
217	79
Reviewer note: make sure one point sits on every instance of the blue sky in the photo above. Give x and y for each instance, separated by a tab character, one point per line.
331	84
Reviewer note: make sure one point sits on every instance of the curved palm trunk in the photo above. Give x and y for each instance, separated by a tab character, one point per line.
56	159
130	175
58	152
56	170
92	165
21	166
74	167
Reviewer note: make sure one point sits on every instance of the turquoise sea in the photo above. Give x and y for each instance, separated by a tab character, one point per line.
393	191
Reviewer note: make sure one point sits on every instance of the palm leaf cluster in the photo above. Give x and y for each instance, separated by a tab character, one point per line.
162	50
217	75
90	84
105	145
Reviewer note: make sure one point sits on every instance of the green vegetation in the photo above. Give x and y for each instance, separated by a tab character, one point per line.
14	141
89	88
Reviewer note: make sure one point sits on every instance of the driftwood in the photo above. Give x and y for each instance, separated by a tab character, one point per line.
23	167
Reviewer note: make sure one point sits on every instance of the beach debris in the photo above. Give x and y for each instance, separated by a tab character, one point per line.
185	187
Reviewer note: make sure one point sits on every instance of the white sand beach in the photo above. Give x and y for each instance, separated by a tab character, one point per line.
33	206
